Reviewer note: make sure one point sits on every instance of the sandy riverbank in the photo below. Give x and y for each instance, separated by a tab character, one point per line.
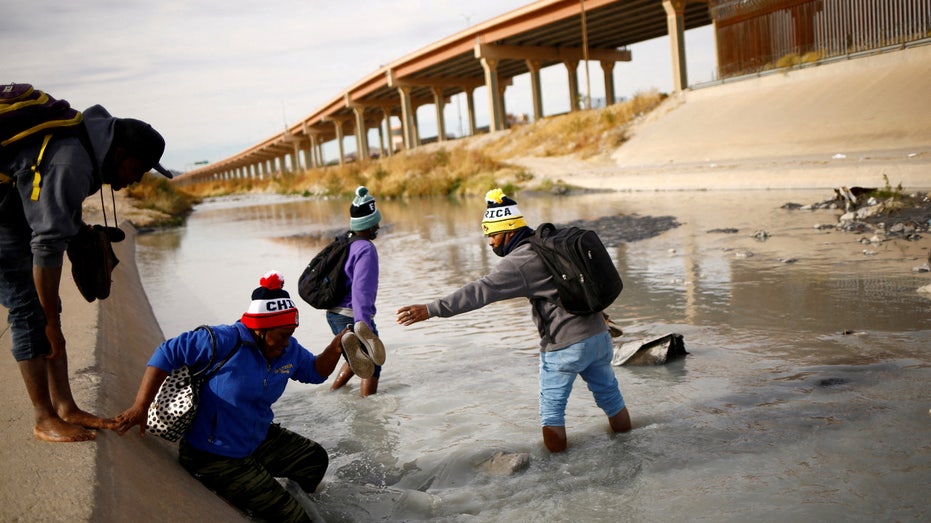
801	138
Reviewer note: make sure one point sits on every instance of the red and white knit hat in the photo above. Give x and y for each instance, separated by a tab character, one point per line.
271	305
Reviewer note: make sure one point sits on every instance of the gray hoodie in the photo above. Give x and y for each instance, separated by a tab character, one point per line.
67	179
521	274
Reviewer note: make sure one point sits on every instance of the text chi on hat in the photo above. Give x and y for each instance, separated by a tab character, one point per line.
271	305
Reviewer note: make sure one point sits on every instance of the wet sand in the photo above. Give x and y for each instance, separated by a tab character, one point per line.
109	342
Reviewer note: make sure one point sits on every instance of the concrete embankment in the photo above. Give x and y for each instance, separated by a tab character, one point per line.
113	478
846	122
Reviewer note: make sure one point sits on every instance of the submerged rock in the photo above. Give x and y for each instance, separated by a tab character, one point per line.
506	463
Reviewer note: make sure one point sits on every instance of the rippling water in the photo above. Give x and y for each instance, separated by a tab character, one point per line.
805	395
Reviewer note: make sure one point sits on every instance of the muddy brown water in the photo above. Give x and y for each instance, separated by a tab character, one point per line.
804	395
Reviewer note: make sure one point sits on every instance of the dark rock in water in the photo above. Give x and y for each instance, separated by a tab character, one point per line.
506	464
727	230
832	382
656	351
615	230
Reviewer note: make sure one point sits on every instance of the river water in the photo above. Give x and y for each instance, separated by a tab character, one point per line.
804	397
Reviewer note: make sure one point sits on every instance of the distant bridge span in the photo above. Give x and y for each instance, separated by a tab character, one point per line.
490	54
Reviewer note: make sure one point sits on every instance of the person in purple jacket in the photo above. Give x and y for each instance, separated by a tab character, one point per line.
233	447
357	308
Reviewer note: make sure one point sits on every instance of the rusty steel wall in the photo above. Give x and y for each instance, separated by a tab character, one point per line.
754	35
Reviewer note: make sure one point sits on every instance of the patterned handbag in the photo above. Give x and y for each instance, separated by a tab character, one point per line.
175	405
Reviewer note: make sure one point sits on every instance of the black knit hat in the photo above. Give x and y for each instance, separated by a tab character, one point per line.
142	141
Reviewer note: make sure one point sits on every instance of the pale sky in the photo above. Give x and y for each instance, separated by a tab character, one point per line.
216	77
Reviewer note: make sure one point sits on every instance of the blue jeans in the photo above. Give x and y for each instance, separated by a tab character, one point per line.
17	289
589	358
338	322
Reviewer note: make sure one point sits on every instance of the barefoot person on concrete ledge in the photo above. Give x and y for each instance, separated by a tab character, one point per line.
232	446
44	179
575	345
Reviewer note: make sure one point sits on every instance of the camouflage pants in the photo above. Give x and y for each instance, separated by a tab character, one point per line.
249	483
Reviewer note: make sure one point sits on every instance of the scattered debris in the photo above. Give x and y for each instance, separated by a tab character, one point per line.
868	210
655	351
760	235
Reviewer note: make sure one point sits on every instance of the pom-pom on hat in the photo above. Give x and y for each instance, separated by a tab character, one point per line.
271	305
362	213
501	214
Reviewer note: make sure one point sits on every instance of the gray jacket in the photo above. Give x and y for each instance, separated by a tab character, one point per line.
67	179
521	274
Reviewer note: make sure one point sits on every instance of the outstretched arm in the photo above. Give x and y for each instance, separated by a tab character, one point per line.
138	413
412	314
327	360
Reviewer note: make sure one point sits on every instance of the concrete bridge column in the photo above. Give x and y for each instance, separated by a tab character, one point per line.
408	131
607	67
338	126
572	67
675	23
315	150
535	89
470	109
416	124
387	138
295	157
495	109
439	103
383	124
362	139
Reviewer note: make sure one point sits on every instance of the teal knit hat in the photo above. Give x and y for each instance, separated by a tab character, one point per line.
363	214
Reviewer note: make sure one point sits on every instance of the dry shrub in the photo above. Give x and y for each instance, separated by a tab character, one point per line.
789	60
584	133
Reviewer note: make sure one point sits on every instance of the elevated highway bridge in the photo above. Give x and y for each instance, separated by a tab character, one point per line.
484	57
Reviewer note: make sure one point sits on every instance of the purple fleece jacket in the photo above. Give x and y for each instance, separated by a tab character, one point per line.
361	281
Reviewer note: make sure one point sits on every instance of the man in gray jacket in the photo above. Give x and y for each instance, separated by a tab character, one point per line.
576	345
39	214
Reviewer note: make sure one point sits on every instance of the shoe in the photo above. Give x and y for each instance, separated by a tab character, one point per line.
373	346
359	361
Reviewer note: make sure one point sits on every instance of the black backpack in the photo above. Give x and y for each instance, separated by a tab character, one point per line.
582	269
321	284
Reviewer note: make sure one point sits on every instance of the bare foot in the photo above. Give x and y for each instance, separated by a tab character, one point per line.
88	420
58	431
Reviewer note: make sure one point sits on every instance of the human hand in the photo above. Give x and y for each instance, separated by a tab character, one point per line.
412	314
56	340
129	418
